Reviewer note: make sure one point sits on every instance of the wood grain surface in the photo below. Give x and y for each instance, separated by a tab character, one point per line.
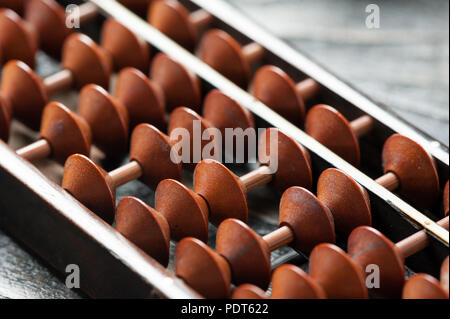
404	65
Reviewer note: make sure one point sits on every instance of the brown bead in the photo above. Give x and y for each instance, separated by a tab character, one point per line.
338	275
203	269
348	202
183	118
224	113
126	48
90	185
25	91
143	99
108	119
246	252
17	38
291	282
185	211
329	127
224	54
88	63
294	162
181	87
248	291
152	150
15	5
446	209
310	221
275	88
444	274
48	18
423	286
172	19
368	246
66	132
414	167
5	118
222	190
145	227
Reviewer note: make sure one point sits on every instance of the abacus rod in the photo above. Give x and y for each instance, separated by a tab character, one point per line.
37	150
256	178
279	238
418	241
307	88
126	173
390	181
87	11
362	125
60	81
200	19
253	52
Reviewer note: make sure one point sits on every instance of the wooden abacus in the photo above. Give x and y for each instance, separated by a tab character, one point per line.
175	81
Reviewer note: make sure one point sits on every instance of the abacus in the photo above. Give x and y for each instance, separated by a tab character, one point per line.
175	62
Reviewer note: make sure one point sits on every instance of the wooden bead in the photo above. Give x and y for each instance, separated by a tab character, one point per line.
151	149
368	246
66	132
15	5
5	118
291	282
329	127
180	86
17	38
108	119
172	19
145	227
338	275
246	252
143	99
223	112
276	89
86	61
446	209
48	18
185	211
444	274
294	161
423	286
310	221
125	48
203	269
25	92
184	118
414	168
248	291
90	185
222	190
347	201
224	54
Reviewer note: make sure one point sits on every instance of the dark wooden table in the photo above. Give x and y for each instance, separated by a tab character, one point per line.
404	64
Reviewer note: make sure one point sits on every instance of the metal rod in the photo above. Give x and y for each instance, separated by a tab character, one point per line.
256	178
279	238
126	173
37	150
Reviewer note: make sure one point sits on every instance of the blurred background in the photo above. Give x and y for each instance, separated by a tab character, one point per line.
404	65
